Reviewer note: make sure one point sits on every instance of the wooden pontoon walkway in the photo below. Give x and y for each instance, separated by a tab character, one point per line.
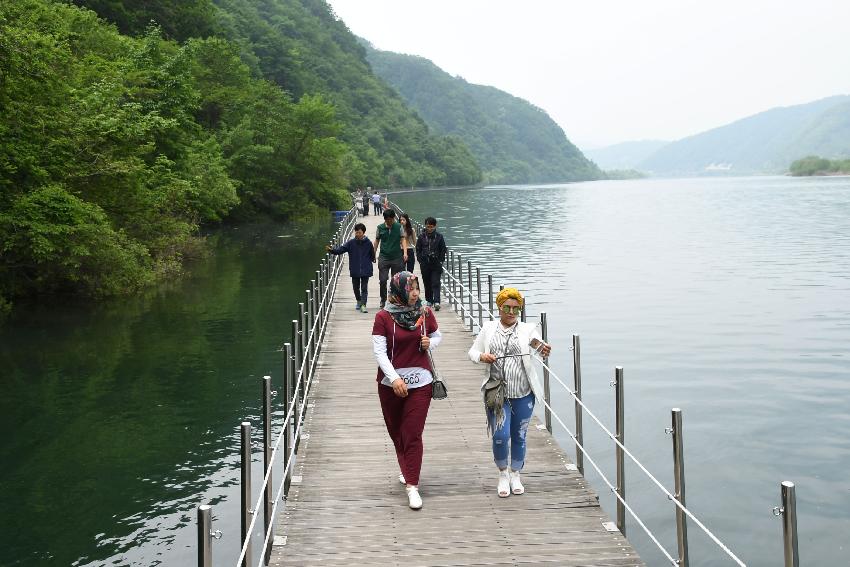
346	506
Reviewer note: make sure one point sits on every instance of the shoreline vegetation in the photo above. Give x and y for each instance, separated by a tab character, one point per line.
121	140
818	166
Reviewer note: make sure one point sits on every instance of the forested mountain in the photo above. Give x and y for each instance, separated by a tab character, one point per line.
763	143
626	155
513	141
117	142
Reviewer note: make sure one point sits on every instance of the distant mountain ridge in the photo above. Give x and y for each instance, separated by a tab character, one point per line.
766	142
625	155
512	140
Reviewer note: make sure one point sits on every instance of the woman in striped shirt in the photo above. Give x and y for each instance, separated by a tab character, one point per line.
504	346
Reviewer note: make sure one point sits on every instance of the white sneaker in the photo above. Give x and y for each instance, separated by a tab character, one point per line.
516	483
413	498
401	478
504	487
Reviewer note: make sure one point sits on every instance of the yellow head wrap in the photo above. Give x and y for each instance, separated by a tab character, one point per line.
509	293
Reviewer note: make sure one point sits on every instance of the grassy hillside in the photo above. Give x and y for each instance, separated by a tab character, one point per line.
513	141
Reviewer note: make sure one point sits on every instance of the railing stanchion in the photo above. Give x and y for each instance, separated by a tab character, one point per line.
679	484
469	290
490	295
267	455
522	313
450	282
621	437
579	410
287	401
460	302
205	535
480	310
547	394
305	352
789	524
245	485
310	318
296	373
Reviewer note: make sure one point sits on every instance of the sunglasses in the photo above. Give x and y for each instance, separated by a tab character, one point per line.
508	310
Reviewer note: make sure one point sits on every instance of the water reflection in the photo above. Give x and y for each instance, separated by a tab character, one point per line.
124	414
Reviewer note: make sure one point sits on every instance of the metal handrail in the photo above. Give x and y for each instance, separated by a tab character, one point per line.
327	297
634	459
467	291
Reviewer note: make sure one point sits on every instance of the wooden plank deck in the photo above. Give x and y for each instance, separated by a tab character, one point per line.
349	508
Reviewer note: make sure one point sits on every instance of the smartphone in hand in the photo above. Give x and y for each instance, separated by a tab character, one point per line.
536	344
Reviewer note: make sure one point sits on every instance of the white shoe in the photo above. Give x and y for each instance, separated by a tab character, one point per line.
401	478
516	483
504	487
413	498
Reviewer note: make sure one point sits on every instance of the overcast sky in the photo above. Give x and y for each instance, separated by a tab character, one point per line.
620	70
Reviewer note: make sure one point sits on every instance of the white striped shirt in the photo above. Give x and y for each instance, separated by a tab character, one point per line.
511	369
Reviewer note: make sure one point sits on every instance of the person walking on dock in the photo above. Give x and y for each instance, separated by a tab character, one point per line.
393	253
376	202
361	256
431	250
510	384
402	334
409	234
366	203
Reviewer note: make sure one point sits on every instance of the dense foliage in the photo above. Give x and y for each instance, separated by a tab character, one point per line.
763	143
814	165
514	141
116	148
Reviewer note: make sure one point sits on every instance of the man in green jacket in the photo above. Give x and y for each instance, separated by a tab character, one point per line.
393	250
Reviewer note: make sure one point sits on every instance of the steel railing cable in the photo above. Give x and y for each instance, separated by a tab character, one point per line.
610	486
329	290
634	459
465	290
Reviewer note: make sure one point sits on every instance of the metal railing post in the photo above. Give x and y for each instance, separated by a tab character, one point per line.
480	310
450	282
577	388
490	295
311	320
267	458
295	378
469	289
522	313
245	485
287	401
544	332
460	302
621	437
679	484
789	524
205	535
306	341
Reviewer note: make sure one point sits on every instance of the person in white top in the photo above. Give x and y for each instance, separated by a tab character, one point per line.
510	385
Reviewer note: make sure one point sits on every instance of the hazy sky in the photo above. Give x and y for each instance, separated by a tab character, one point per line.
619	70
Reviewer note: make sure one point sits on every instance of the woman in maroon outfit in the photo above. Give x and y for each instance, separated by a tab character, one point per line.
402	333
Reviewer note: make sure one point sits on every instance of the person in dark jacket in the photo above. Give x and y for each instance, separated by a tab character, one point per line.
431	251
361	256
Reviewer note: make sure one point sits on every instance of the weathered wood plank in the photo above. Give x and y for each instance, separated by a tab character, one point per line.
349	508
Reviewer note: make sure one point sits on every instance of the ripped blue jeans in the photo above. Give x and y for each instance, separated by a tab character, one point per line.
517	416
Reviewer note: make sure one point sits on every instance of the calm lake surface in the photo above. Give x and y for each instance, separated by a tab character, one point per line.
123	417
728	298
